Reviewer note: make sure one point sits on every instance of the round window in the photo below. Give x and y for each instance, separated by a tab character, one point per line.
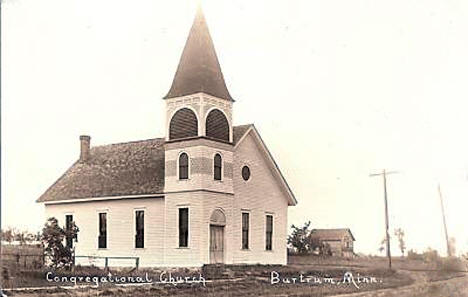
245	173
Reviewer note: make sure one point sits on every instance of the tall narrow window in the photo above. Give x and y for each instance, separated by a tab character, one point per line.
102	239
68	226
218	166
269	233
183	227
140	229
245	230
183	166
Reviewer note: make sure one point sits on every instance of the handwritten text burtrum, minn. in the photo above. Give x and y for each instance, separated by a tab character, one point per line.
348	278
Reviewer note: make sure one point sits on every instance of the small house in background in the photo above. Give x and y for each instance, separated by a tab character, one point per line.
341	241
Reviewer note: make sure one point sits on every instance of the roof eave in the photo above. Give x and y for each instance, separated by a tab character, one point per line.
227	98
103	198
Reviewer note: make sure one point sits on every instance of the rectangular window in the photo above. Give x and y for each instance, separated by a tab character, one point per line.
102	239
245	230
183	227
140	229
269	233
68	226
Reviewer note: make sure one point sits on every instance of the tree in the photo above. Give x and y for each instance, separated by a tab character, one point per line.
400	234
383	244
465	256
53	238
452	246
300	238
24	237
414	255
8	235
431	255
38	236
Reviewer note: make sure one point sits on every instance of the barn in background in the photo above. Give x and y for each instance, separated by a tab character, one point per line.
341	241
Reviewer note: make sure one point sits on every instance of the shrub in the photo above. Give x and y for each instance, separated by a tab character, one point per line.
413	255
299	238
53	237
451	264
431	256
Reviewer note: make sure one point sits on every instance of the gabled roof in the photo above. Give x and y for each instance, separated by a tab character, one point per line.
245	130
332	234
199	69
131	169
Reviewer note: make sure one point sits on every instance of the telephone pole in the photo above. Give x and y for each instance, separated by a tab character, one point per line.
449	253
384	175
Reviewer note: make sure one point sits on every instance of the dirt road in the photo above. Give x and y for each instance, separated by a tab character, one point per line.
455	287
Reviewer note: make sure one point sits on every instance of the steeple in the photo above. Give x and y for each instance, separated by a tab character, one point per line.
199	69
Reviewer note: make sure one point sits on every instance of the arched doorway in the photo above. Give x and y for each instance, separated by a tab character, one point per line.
217	223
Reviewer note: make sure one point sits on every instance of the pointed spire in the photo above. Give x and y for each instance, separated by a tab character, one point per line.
199	69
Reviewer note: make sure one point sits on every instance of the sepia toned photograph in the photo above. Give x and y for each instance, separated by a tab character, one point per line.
234	148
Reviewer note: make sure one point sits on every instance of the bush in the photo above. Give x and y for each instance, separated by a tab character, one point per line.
53	237
451	264
300	238
431	256
413	255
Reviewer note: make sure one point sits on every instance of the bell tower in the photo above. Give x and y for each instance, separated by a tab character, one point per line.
199	128
198	103
199	150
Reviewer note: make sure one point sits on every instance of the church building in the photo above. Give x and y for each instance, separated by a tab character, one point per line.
207	192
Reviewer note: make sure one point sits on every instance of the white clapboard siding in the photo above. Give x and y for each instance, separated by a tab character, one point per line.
120	228
260	195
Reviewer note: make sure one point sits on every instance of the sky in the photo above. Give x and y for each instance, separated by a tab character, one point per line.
346	89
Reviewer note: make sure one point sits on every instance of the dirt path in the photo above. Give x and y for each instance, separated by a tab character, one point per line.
454	287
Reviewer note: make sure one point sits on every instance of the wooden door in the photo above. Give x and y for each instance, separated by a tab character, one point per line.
216	244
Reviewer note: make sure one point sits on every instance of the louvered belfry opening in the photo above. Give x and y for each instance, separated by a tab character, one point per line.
217	126
183	124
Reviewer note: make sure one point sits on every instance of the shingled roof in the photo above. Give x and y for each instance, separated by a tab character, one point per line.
199	69
131	168
239	131
331	234
122	169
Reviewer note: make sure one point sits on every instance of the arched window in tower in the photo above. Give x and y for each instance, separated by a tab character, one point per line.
183	166
218	166
217	126
183	124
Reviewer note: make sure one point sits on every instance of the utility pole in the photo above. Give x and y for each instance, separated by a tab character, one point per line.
384	175
449	253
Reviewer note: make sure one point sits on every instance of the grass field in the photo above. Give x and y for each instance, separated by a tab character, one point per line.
367	261
244	281
412	276
397	285
26	256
